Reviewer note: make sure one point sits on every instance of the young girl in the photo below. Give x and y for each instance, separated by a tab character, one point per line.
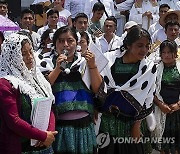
83	42
167	98
74	105
130	80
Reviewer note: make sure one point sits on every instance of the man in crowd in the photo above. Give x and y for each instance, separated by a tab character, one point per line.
172	30
81	22
52	20
27	22
157	25
109	41
3	8
170	15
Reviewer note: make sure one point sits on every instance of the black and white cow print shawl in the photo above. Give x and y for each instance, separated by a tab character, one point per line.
139	90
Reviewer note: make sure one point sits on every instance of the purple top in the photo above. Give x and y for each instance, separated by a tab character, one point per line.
13	128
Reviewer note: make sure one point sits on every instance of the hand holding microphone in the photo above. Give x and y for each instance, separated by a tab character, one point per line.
61	59
62	62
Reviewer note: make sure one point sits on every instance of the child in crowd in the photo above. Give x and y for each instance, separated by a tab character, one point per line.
167	98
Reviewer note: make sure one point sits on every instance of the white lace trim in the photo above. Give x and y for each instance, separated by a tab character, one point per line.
13	68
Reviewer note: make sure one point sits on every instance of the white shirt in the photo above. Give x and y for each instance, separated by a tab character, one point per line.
171	3
108	4
154	27
123	35
177	40
63	17
74	6
178	5
36	40
115	43
126	5
44	28
136	14
159	35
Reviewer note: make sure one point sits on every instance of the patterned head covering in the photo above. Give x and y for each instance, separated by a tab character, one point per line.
13	68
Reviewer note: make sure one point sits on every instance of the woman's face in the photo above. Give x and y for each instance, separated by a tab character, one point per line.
27	55
168	57
139	49
84	45
66	41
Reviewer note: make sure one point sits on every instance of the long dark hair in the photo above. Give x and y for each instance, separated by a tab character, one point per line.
2	36
62	30
85	35
44	36
170	44
133	35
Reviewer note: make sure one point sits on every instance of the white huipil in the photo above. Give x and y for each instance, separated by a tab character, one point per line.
137	12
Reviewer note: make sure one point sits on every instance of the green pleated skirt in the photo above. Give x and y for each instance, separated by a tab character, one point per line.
75	137
121	127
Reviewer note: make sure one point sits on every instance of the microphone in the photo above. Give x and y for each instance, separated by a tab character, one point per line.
64	63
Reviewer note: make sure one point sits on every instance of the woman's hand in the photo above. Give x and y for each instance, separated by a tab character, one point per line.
50	138
165	108
174	107
136	130
90	58
59	60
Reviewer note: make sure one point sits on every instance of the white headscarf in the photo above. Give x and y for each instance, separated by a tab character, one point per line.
13	68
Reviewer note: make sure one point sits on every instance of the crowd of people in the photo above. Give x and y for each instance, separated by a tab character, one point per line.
132	92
